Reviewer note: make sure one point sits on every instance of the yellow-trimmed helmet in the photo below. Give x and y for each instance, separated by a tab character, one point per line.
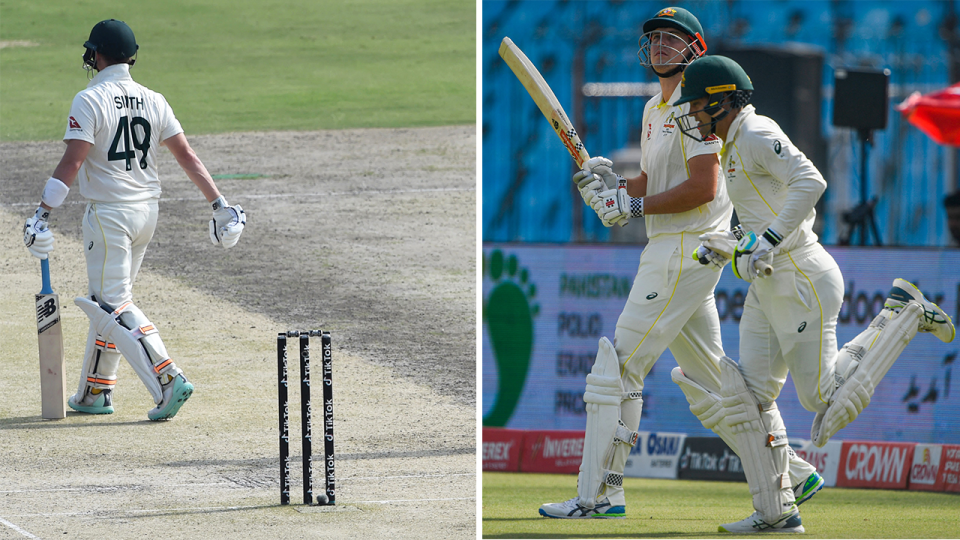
718	78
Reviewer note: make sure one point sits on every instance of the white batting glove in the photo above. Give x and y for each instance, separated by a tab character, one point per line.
37	236
717	247
603	167
613	206
227	223
590	186
748	252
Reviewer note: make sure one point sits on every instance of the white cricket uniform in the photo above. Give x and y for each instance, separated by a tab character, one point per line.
671	303
789	319
126	123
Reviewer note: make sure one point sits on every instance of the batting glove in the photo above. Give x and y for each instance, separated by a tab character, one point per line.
613	206
748	252
590	186
227	223
717	247
37	236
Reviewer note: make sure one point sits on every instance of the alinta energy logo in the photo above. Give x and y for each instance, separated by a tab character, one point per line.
508	312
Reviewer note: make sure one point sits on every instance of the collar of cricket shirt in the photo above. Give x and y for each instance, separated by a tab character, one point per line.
737	122
115	72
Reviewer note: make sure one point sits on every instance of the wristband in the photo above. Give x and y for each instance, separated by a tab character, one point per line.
636	207
773	237
54	193
219	203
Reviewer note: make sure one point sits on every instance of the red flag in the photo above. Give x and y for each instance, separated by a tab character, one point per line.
937	114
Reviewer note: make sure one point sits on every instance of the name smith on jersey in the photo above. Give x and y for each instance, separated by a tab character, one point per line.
132	102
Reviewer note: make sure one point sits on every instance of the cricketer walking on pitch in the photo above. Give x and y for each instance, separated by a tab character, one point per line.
114	129
789	317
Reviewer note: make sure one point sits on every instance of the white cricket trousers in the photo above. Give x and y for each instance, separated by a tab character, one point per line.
115	238
790	323
671	304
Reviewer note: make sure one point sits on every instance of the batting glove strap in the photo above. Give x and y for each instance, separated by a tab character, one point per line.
219	203
636	207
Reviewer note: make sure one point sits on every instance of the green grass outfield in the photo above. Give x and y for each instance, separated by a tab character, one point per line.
694	509
245	65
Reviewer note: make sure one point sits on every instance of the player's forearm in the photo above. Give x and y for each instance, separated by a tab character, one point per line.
199	175
65	173
637	187
192	166
802	196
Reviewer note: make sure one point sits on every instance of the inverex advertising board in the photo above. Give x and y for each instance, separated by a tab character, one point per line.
546	306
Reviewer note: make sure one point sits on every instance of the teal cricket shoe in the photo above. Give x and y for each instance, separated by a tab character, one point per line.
103	404
175	394
804	490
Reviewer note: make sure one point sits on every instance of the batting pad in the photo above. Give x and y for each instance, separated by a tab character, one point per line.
128	344
848	401
707	407
604	428
762	439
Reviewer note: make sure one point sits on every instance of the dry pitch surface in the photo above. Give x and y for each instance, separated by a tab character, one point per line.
367	233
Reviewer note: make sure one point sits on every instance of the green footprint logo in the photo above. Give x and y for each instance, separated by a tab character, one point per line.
508	312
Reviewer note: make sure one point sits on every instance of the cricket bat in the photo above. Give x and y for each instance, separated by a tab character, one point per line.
546	100
50	338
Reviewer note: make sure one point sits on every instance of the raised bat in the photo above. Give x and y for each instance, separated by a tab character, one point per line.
545	99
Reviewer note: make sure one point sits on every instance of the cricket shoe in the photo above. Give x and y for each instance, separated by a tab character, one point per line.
804	490
789	522
101	403
572	510
175	394
934	320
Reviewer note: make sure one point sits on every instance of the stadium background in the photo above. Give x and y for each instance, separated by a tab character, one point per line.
556	279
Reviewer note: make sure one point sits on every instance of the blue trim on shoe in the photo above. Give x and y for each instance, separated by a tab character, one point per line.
182	389
814	483
101	406
580	512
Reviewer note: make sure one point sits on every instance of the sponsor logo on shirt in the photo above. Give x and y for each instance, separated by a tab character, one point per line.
669	125
74	125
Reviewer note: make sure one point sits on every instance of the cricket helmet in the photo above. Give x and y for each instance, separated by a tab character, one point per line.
722	81
678	19
110	38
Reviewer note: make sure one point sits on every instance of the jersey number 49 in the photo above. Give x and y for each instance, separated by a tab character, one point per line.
124	130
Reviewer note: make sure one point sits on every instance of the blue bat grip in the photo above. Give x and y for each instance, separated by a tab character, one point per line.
45	275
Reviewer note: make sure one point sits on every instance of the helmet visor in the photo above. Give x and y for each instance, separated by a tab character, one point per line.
701	122
663	47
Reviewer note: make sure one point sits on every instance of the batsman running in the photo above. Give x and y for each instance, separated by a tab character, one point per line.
680	195
114	129
789	318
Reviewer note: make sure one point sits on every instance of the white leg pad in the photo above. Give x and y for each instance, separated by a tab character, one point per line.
631	409
707	407
763	443
100	363
604	430
868	360
106	324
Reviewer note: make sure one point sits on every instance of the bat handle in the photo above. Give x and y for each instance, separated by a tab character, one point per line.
765	268
45	276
